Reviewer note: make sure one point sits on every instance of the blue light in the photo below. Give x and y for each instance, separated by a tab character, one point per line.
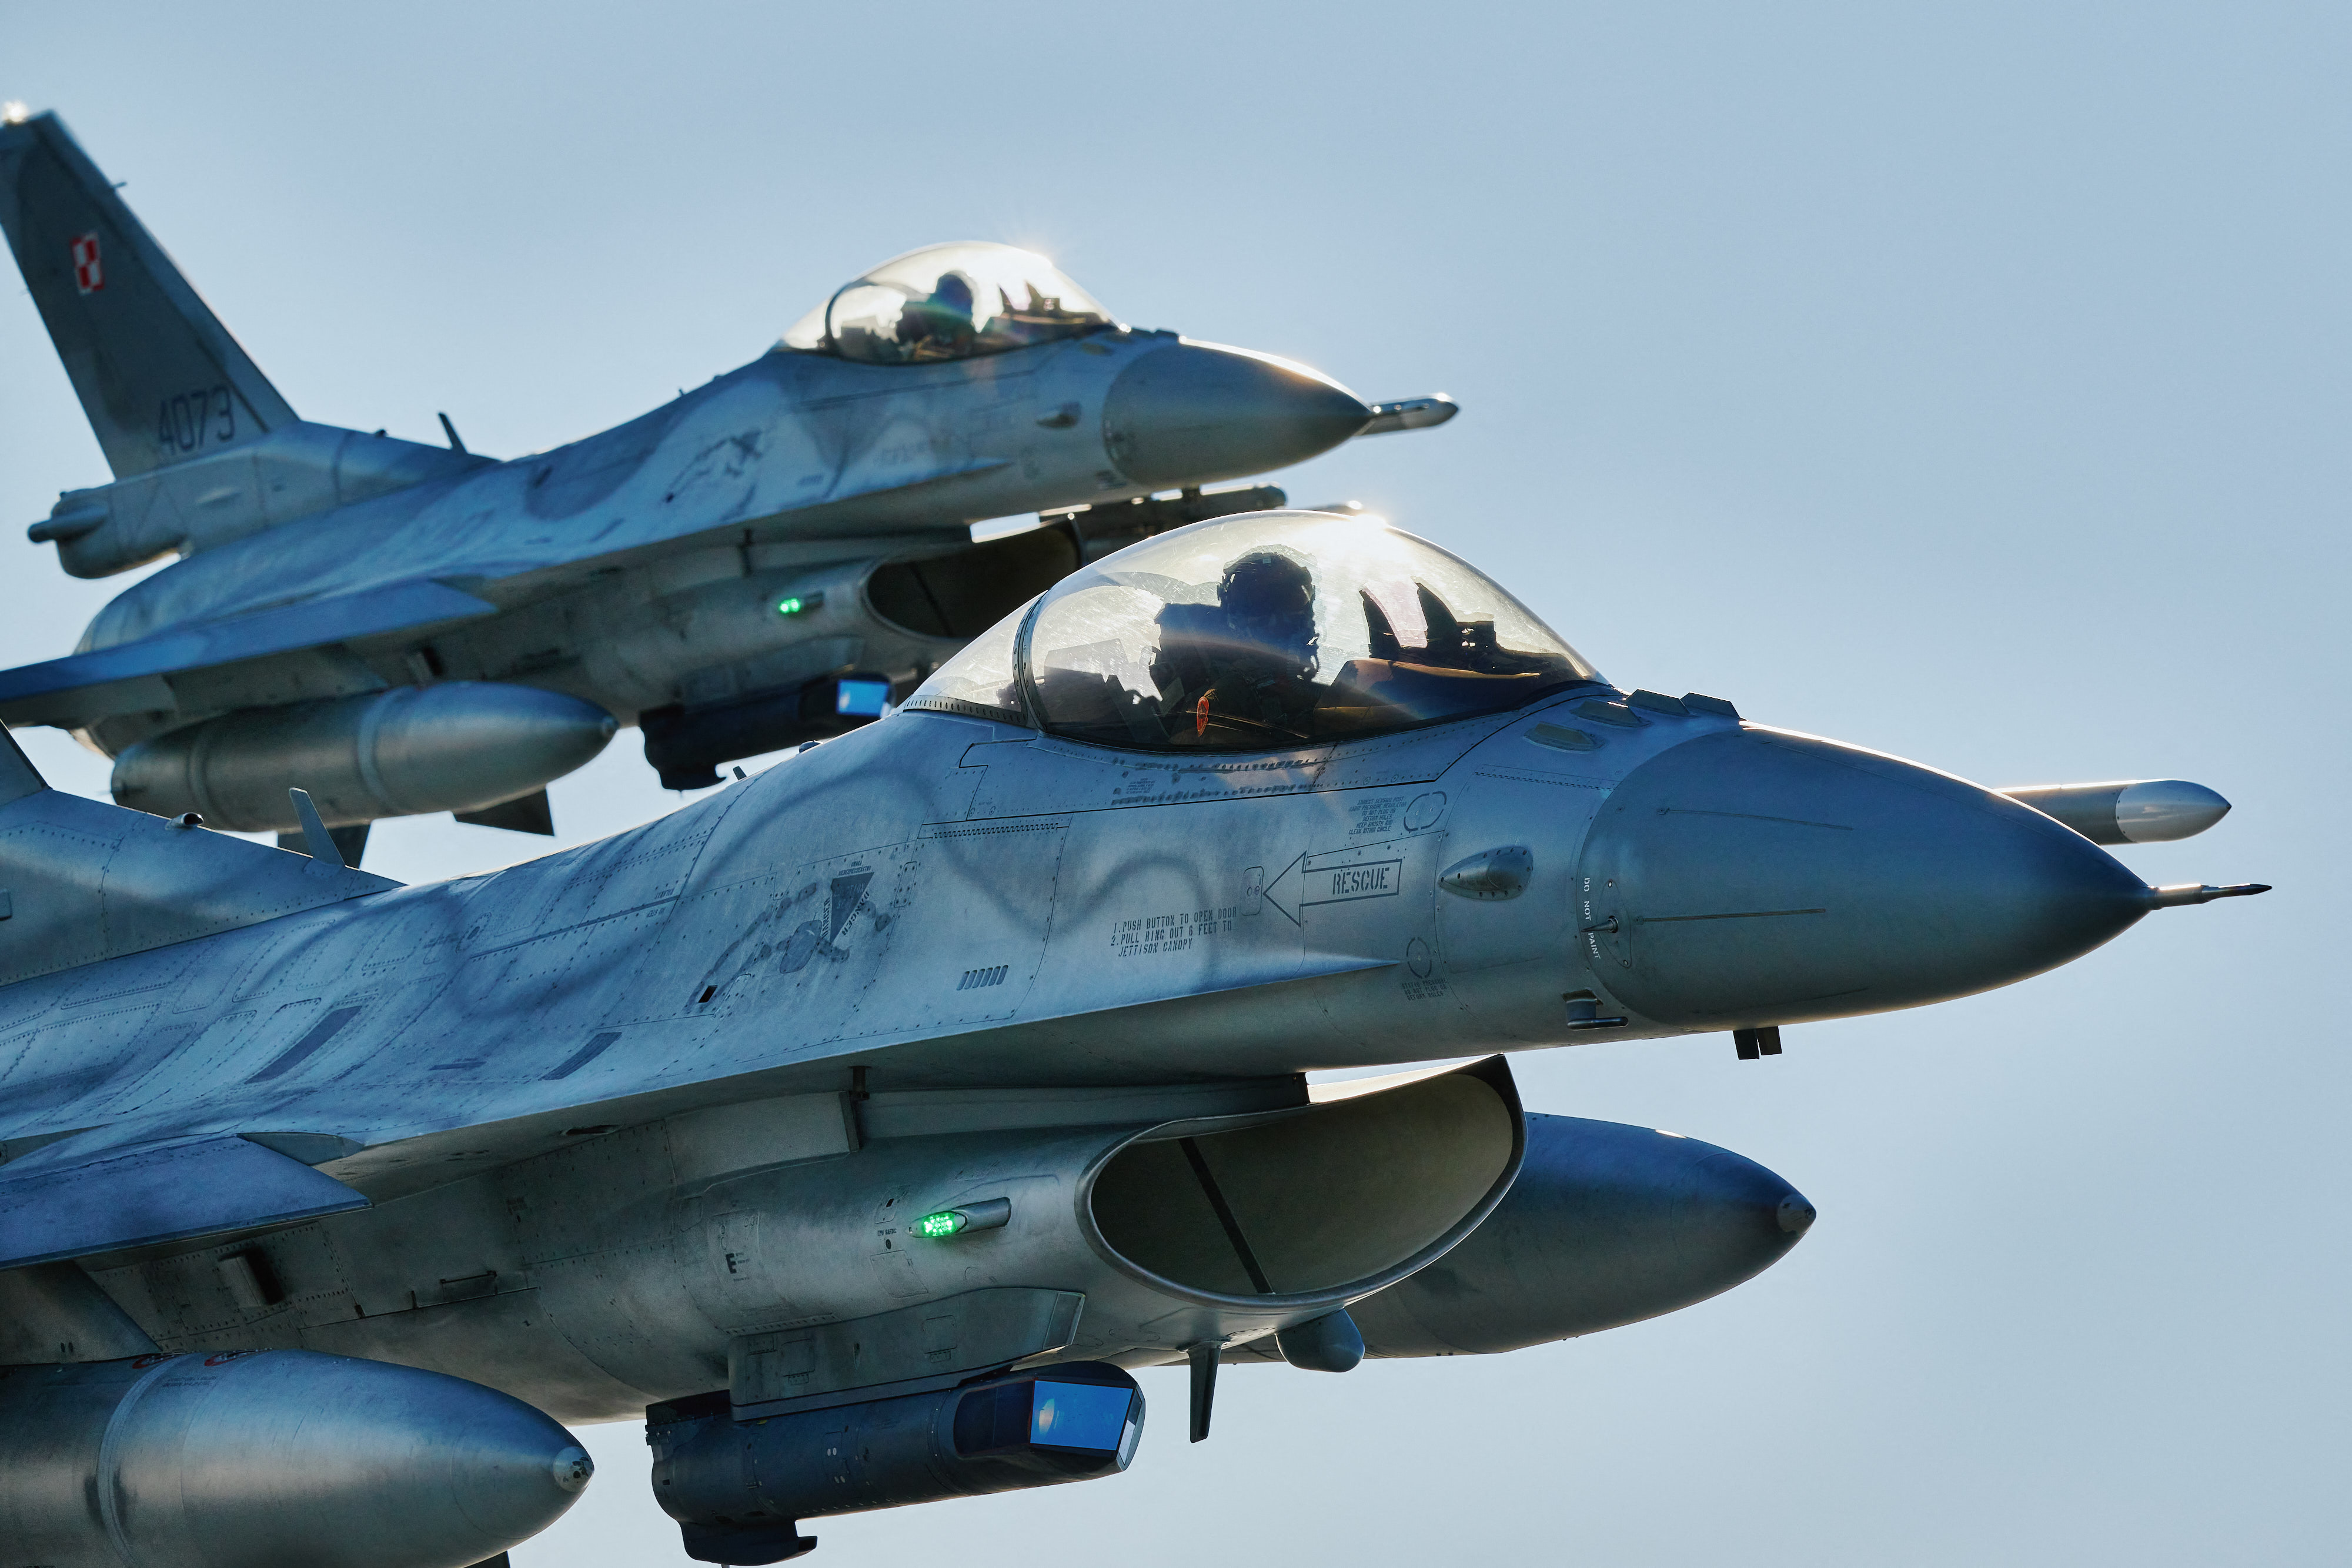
867	699
1078	1416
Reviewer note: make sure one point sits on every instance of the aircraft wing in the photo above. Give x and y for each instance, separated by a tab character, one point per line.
63	1208
129	676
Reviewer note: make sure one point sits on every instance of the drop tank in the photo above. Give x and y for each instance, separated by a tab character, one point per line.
455	747
253	1459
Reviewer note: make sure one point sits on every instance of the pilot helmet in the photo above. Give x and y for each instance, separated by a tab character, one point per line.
1268	589
946	315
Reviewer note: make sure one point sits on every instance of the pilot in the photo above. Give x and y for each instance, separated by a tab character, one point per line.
1243	669
939	326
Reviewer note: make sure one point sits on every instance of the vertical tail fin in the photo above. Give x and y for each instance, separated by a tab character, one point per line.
160	377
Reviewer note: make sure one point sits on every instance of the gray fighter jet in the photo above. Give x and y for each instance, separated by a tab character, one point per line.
864	1126
772	557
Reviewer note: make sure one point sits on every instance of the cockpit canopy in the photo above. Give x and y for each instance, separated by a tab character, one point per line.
1258	633
948	302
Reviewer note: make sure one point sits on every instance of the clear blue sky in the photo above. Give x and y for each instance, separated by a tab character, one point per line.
1966	382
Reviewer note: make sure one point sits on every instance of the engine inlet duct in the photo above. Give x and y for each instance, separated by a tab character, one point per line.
739	1489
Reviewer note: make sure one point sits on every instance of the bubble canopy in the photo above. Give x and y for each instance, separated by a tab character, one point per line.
1259	633
948	302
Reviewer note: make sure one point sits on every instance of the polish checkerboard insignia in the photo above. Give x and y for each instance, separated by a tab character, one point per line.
89	272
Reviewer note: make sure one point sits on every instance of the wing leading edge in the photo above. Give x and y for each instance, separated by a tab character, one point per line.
53	1209
129	677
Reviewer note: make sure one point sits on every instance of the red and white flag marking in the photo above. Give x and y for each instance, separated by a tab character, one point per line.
89	273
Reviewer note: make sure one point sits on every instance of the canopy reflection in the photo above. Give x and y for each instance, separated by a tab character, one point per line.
949	302
1260	633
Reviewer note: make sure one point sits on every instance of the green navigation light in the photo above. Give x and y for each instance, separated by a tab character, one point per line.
946	1222
792	606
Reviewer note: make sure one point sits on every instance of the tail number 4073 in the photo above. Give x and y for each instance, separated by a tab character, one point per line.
187	421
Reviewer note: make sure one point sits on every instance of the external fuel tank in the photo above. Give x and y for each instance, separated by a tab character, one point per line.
455	747
249	1460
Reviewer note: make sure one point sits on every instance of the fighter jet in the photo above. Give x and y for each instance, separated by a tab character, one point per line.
865	1126
399	628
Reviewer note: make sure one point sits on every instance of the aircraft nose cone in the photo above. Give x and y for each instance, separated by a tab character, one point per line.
1192	413
1747	877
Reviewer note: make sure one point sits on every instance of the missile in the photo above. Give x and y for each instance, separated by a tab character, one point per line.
2126	812
254	1458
